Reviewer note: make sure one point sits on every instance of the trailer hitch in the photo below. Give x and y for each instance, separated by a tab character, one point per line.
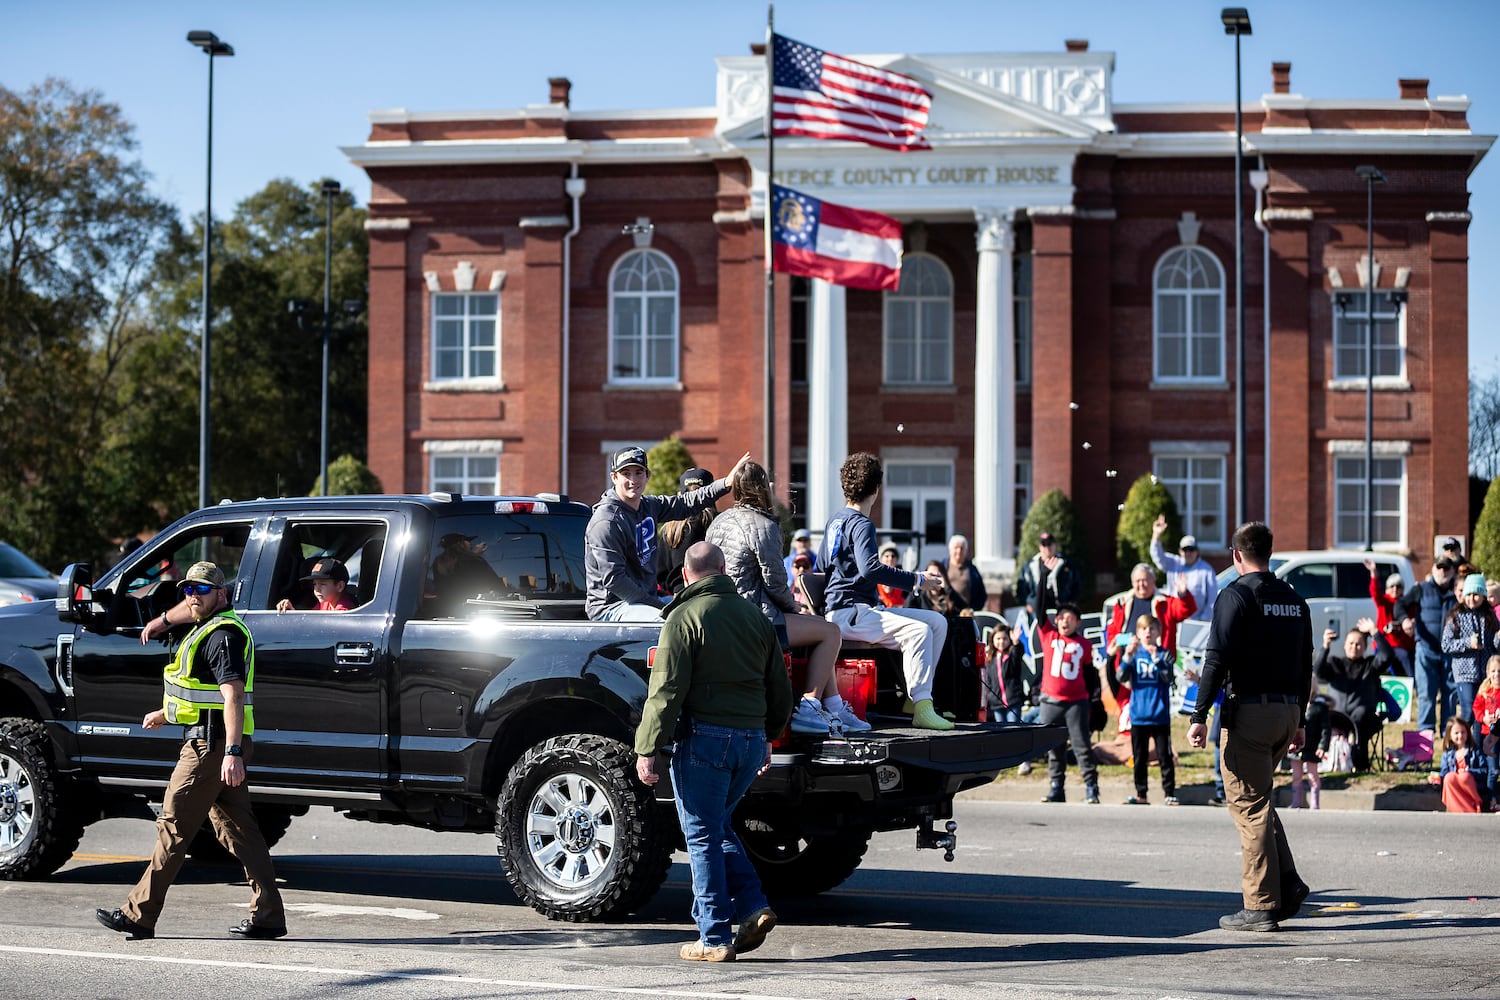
928	838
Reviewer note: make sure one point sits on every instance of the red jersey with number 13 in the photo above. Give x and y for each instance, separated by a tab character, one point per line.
1065	658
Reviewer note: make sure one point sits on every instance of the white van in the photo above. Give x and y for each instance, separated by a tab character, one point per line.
1334	583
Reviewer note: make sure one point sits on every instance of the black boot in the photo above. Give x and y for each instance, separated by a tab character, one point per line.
1056	794
1091	793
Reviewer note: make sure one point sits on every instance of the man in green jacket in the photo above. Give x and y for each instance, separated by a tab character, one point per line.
720	670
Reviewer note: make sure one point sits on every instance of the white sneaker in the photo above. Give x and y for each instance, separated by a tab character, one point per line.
1025	767
851	722
809	717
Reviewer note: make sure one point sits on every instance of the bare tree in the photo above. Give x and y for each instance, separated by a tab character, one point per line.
1484	426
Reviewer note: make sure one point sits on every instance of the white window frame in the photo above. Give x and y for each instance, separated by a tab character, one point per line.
1348	471
643	297
919	495
1210	536
919	378
1190	336
470	452
467	350
1351	319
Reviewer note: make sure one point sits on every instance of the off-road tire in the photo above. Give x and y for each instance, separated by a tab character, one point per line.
791	863
39	826
273	821
580	838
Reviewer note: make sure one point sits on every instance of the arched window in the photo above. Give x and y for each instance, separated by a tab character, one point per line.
1189	341
643	292
919	324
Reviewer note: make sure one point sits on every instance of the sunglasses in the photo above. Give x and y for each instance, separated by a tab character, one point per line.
198	589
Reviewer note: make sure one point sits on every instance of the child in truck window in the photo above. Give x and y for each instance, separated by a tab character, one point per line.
329	579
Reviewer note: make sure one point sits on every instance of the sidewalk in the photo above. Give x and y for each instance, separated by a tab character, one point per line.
1114	791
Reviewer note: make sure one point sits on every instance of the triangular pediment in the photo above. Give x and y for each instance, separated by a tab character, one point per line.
975	98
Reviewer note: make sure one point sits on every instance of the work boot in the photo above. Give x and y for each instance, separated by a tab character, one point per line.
1249	920
697	951
1091	793
924	716
1293	892
753	930
1056	794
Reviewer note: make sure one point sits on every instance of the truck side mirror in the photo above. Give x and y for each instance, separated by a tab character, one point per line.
75	593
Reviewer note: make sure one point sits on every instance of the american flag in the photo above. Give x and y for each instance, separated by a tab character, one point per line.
824	96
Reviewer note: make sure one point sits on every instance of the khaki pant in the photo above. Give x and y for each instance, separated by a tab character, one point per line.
1252	746
197	791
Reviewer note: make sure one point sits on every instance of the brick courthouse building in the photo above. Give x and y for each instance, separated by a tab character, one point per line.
546	284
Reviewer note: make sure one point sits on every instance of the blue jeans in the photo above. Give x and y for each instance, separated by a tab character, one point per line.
1432	686
711	771
1463	693
999	713
622	611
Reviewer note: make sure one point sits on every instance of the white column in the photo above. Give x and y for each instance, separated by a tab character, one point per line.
827	401
995	396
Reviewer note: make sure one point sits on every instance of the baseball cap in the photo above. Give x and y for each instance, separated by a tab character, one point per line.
1452	543
207	572
1046	539
802	559
626	457
454	537
1188	542
889	547
802	534
1474	584
693	479
329	569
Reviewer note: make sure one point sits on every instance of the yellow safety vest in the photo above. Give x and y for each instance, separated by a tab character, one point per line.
185	697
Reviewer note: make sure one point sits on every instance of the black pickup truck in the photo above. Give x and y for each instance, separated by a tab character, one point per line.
466	690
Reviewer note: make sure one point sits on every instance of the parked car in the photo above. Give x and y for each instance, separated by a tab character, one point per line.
22	580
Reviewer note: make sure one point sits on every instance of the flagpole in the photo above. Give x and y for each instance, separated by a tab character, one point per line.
769	429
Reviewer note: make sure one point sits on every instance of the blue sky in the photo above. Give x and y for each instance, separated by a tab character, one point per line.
305	75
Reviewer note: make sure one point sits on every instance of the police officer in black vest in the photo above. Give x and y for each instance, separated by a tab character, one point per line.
1260	651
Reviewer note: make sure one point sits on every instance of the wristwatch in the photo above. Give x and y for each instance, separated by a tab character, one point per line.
233	751
164	622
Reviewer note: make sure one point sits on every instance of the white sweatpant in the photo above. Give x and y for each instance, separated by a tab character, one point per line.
918	634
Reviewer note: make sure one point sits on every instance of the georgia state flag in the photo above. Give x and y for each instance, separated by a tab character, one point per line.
841	245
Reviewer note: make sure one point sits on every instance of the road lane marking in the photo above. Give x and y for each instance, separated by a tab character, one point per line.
426	977
339	910
930	895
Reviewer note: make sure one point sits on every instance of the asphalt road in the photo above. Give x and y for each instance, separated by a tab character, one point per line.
1042	901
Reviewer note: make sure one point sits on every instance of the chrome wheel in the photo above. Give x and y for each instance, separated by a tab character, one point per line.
17	802
570	830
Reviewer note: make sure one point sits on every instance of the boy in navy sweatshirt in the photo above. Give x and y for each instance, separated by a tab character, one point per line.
854	568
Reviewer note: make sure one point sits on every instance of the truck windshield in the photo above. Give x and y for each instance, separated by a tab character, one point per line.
503	557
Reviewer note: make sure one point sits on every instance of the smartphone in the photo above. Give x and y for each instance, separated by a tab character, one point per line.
1333	623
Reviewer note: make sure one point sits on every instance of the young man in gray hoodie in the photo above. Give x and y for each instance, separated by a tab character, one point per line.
620	543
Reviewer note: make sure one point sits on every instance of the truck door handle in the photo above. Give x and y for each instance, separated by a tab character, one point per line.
354	652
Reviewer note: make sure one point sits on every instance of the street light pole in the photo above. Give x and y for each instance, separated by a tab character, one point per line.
1236	22
1371	176
211	46
330	192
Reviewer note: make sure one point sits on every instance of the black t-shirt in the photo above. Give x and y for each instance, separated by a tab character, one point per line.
1260	643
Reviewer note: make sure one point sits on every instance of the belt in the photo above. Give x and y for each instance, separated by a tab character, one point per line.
1266	699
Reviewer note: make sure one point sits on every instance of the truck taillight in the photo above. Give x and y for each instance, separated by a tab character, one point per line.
520	507
651	657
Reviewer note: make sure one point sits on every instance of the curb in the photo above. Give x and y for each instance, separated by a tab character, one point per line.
1114	791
